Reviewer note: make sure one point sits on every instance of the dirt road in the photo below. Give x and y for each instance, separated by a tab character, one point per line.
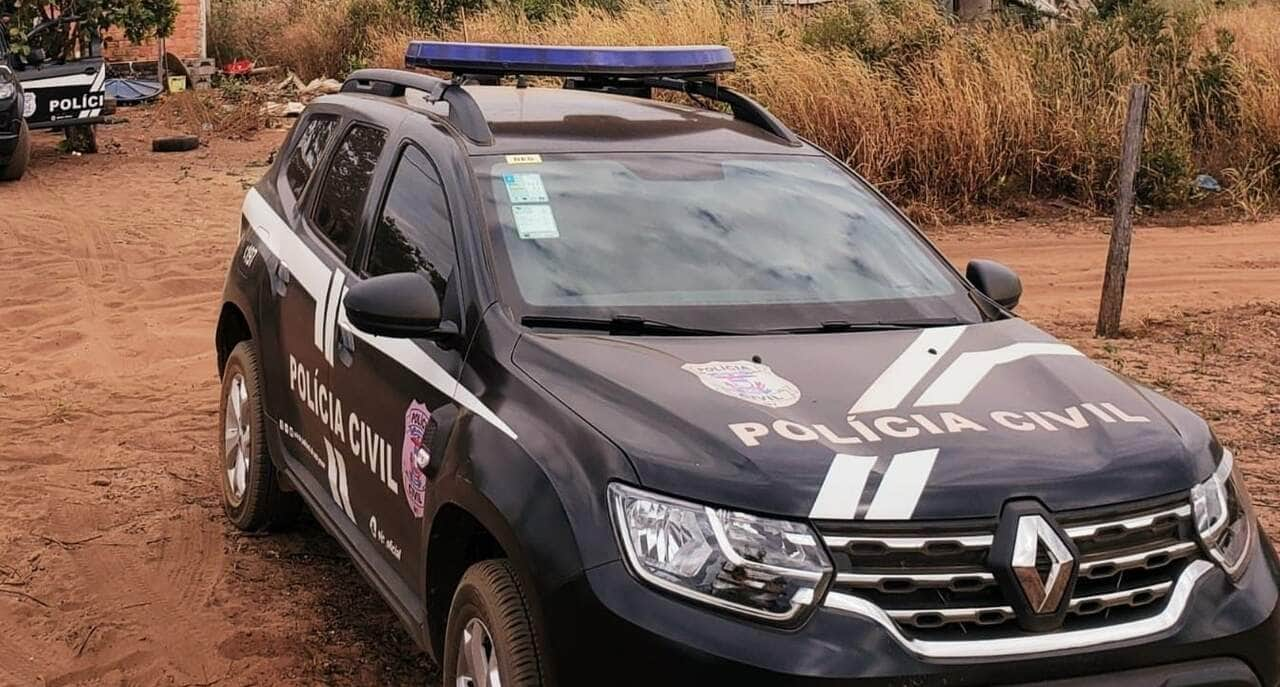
116	565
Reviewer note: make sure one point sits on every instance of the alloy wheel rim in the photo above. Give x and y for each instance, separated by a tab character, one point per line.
236	440
477	657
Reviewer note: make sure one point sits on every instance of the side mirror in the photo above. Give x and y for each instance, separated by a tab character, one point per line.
402	305
997	282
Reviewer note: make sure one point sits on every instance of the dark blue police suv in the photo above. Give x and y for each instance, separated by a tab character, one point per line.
600	389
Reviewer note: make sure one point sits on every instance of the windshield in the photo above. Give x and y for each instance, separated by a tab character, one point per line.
733	242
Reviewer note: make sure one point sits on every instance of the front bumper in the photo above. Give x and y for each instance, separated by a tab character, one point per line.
608	628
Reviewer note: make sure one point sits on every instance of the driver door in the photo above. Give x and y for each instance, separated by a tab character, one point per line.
393	408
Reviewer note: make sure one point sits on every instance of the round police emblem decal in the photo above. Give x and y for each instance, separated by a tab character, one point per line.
416	419
748	381
28	105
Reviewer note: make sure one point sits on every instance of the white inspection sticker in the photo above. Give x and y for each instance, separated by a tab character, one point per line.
527	159
525	188
535	222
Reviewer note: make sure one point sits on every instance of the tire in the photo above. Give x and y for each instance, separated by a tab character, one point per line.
82	138
174	144
251	495
491	599
17	165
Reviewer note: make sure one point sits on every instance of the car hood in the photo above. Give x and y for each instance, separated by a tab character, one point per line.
887	425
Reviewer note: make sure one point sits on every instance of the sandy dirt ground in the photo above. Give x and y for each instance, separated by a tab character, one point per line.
116	564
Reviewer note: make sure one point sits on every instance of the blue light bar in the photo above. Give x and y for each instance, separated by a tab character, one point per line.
556	60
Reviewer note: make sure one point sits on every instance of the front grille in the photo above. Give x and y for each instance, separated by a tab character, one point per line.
935	584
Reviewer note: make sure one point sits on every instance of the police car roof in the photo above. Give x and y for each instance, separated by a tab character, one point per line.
544	120
555	120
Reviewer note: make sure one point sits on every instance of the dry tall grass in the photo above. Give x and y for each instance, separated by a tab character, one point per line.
951	118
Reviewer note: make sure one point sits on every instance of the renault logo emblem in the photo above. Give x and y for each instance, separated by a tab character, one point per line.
1035	563
1034	538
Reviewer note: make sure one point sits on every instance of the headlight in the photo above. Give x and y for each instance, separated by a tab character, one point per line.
7	90
1224	517
765	568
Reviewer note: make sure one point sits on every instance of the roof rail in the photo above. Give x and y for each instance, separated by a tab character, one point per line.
464	113
743	108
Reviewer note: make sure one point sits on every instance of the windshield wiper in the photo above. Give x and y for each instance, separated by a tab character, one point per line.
831	326
619	324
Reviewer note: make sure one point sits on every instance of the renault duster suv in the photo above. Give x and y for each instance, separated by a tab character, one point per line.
599	389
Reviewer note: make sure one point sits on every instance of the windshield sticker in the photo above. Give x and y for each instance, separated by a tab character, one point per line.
525	188
751	382
535	222
415	456
524	159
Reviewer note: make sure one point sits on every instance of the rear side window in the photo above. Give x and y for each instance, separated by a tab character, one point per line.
346	185
414	233
311	144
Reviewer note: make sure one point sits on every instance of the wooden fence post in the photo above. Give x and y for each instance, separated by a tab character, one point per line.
1122	226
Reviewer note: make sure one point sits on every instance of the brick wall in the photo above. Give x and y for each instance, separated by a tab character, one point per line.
187	41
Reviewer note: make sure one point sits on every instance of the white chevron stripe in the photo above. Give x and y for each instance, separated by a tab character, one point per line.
901	486
842	489
310	272
897	380
318	319
338	480
959	380
336	293
98	82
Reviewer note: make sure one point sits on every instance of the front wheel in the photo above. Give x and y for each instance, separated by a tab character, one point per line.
491	639
17	165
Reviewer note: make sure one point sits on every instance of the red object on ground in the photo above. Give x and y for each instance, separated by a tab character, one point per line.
240	67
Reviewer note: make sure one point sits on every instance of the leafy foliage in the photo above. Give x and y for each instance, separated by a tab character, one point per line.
59	27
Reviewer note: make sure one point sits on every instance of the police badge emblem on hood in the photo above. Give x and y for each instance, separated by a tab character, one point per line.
945	422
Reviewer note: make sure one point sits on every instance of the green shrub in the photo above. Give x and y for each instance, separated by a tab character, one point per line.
894	33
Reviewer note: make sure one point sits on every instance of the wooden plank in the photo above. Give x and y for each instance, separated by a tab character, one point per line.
1122	227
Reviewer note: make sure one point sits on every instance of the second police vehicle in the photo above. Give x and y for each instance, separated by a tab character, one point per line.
599	389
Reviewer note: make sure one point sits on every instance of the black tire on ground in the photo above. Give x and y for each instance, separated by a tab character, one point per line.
17	165
491	592
263	504
174	144
82	138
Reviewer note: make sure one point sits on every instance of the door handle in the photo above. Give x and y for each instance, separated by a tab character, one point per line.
280	282
346	345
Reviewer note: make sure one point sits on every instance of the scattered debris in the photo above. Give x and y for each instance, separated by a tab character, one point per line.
23	595
212	113
84	642
292	108
1205	182
68	545
321	86
240	67
133	91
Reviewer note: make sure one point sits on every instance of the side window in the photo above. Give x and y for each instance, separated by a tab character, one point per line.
337	211
414	233
310	146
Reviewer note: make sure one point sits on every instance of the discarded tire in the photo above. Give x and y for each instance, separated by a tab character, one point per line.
174	144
